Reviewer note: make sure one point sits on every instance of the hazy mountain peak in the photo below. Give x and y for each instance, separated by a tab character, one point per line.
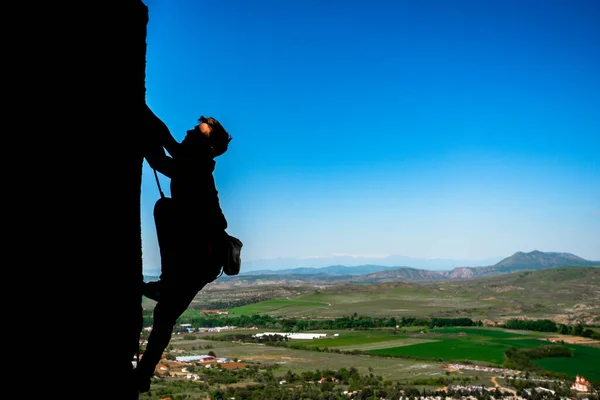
540	260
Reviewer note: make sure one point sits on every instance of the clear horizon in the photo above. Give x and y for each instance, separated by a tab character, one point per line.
457	130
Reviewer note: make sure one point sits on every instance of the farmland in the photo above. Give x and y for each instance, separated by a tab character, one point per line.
449	345
423	353
403	353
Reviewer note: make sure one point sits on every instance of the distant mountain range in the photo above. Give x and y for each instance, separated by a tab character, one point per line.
270	265
334	270
372	273
393	260
535	260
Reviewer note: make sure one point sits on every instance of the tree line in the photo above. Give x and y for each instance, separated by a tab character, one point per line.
521	359
546	325
300	324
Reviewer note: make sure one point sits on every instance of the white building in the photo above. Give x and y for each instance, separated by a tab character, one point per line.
194	358
303	336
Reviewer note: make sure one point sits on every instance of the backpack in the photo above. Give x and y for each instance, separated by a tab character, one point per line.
230	256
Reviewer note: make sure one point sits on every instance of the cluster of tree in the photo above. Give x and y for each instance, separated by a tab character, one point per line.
547	351
344	376
546	325
296	325
322	384
443	381
540	325
224	304
266	339
446	322
521	358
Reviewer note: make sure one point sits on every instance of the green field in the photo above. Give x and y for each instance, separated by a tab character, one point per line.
451	350
444	344
477	345
279	306
489	345
354	339
585	361
487	333
375	301
299	361
371	300
558	292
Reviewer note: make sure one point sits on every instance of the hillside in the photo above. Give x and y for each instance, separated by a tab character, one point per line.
564	294
535	260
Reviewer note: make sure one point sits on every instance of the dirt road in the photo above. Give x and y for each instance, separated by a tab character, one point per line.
497	385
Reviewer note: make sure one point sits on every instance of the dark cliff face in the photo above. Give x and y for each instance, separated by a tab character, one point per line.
84	119
121	249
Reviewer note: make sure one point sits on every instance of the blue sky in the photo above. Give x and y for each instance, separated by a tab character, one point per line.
429	129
